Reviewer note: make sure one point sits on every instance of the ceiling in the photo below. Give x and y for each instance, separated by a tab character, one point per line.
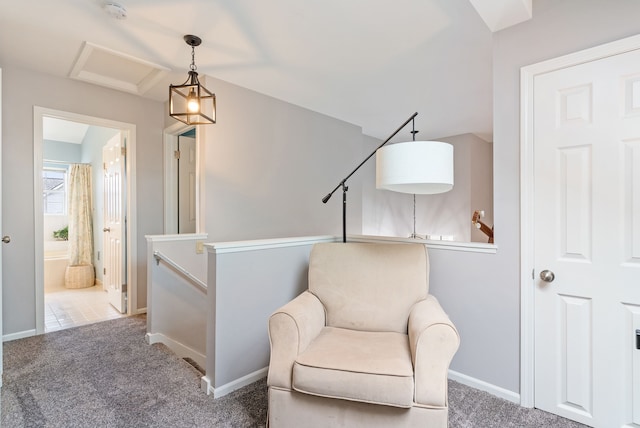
372	63
54	129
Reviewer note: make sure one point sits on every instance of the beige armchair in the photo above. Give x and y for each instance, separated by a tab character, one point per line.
365	345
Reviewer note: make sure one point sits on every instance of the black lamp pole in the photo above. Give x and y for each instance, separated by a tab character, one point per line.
343	183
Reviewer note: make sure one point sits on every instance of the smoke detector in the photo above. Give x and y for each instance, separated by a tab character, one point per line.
116	10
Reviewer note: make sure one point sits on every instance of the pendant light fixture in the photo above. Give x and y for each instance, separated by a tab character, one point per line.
192	103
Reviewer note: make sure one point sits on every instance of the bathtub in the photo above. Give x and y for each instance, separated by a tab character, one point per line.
56	259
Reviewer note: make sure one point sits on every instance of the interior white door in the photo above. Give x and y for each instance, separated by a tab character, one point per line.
587	234
186	184
114	222
3	239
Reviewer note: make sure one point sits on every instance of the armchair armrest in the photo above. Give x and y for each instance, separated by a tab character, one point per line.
291	329
433	340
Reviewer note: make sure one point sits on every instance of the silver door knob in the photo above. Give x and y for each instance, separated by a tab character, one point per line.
106	229
547	276
6	239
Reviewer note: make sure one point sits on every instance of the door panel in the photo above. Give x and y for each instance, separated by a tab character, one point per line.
114	222
587	231
1	222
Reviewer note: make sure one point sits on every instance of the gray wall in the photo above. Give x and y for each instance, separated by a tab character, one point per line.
22	90
61	151
269	164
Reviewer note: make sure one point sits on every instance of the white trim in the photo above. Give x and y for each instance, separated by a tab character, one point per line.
18	335
205	385
221	391
265	244
468	247
181	237
140	311
129	132
178	348
527	262
485	386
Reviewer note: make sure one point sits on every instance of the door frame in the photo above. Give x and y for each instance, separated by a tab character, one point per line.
527	206
129	132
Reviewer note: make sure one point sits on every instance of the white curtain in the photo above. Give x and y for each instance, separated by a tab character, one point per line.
80	216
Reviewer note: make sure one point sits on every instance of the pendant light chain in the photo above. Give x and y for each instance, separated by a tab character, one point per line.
193	59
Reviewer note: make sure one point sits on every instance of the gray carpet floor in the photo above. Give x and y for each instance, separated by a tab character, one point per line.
105	375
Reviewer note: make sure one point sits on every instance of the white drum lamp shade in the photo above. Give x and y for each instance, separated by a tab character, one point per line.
418	167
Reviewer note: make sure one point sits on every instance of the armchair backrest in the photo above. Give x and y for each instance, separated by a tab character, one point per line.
369	287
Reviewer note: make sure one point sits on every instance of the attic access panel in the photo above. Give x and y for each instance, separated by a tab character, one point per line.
105	67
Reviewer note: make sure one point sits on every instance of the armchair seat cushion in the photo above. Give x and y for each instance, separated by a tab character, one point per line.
371	367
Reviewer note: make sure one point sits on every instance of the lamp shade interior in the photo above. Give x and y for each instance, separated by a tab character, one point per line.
420	167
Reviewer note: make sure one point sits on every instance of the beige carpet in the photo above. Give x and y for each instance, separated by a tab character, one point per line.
105	375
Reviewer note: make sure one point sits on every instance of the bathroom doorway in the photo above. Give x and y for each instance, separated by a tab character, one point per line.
70	288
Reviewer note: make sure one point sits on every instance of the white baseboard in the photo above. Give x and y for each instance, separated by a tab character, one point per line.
140	311
485	386
221	391
178	348
18	335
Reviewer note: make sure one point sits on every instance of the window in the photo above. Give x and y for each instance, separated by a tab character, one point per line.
54	185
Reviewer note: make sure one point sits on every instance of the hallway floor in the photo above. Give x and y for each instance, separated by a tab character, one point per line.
74	307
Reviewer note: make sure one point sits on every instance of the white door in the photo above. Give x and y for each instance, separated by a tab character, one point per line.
114	222
186	184
3	239
587	234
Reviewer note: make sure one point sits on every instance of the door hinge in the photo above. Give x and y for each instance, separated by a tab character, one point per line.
176	154
533	274
104	271
123	151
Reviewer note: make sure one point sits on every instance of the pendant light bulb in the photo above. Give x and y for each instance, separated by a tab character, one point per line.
193	104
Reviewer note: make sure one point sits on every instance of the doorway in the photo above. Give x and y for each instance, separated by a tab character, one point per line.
580	218
182	186
63	301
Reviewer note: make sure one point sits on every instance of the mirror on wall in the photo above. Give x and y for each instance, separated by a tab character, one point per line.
181	205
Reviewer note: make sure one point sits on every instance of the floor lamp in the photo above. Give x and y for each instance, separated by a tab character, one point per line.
414	180
418	167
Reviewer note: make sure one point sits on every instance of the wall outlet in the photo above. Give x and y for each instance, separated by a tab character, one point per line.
199	247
